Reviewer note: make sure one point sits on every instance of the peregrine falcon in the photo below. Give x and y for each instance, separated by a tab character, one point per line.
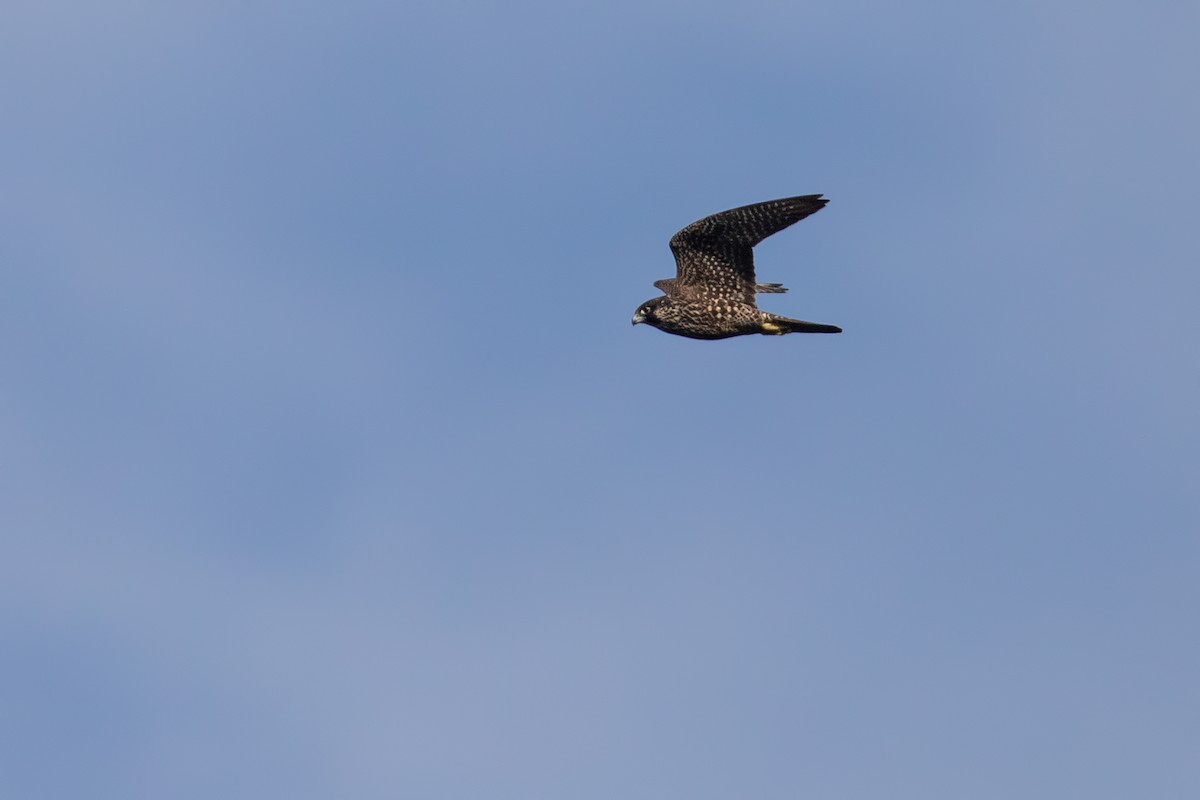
712	293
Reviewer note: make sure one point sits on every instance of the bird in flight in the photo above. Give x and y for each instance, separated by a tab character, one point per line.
712	293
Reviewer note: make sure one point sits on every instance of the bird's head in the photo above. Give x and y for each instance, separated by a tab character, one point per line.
648	312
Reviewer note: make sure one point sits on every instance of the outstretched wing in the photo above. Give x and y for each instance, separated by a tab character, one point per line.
715	255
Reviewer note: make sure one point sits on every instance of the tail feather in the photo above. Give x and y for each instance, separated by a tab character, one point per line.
770	288
778	326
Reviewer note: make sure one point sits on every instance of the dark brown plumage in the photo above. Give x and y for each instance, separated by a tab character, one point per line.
712	293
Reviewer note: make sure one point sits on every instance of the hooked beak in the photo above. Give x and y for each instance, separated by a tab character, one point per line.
639	317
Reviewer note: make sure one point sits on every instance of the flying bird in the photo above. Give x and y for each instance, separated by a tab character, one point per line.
712	293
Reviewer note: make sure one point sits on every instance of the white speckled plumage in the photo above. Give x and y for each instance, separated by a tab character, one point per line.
713	293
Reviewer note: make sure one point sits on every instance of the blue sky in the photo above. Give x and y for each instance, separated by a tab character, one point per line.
332	467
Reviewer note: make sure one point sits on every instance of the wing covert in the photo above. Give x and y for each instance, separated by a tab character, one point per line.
714	256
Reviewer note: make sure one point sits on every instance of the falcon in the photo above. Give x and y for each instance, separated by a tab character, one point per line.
712	293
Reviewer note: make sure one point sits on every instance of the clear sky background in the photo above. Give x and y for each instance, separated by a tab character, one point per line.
330	465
